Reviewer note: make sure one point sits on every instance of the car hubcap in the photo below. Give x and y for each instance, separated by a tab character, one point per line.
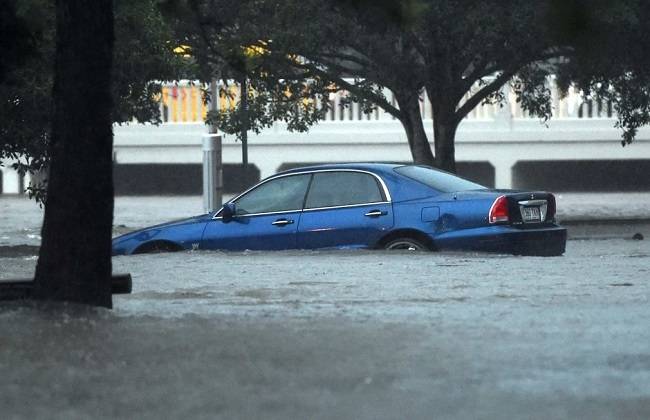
404	245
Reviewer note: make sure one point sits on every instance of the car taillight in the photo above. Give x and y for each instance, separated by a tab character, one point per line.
499	210
550	210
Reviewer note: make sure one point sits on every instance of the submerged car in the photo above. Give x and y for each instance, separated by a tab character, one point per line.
373	206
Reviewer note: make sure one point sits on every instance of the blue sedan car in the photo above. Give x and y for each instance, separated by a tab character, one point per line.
374	206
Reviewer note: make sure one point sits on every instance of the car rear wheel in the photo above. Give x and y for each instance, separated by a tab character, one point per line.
405	244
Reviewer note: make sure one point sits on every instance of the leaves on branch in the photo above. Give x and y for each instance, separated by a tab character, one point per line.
143	58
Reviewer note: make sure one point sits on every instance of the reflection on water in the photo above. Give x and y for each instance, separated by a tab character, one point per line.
13	251
21	218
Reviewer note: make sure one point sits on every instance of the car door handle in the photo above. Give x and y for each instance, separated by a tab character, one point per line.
282	222
376	213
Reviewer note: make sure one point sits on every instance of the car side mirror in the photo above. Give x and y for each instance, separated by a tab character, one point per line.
228	212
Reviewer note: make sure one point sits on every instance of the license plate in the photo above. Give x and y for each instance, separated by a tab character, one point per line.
530	214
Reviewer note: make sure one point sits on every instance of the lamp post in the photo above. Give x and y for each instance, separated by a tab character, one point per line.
243	107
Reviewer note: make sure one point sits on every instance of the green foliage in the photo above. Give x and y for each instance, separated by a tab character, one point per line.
295	53
531	85
16	39
447	47
143	58
235	40
293	102
25	92
463	52
610	61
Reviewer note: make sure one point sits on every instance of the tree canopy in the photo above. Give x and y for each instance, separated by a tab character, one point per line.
459	53
233	40
609	59
17	41
295	53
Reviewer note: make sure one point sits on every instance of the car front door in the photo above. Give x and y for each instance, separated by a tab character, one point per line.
344	209
266	217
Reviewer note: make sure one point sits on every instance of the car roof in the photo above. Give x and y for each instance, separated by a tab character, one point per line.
362	166
400	188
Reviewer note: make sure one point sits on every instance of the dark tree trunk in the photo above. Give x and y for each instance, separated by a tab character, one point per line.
444	136
75	257
409	105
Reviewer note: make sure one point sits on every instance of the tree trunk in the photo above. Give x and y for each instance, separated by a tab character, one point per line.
409	105
444	136
75	256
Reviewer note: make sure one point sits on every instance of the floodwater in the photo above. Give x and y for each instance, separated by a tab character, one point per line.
333	334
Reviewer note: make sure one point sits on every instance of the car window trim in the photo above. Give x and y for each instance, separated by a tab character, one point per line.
346	206
261	214
382	183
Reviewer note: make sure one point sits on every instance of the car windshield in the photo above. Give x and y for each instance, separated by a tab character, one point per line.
438	180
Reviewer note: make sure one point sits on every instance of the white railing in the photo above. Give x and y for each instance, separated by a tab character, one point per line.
182	102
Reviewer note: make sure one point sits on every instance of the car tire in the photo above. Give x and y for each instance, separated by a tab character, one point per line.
157	247
405	244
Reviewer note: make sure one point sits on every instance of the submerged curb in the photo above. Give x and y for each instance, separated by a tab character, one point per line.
607	228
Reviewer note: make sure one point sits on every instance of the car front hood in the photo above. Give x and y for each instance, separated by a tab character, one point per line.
157	228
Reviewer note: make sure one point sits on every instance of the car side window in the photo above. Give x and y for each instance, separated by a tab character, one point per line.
281	194
330	189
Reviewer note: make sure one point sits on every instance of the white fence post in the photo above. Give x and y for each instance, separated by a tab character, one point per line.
212	173
503	173
10	180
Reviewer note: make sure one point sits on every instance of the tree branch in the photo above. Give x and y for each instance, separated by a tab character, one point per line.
345	57
341	68
483	93
418	46
486	68
382	102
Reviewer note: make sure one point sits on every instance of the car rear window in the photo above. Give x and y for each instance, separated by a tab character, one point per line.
438	180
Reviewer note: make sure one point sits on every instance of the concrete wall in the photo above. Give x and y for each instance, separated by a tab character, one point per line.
499	142
177	178
583	175
559	176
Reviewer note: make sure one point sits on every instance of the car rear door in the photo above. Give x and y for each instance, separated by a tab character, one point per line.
266	217
345	208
